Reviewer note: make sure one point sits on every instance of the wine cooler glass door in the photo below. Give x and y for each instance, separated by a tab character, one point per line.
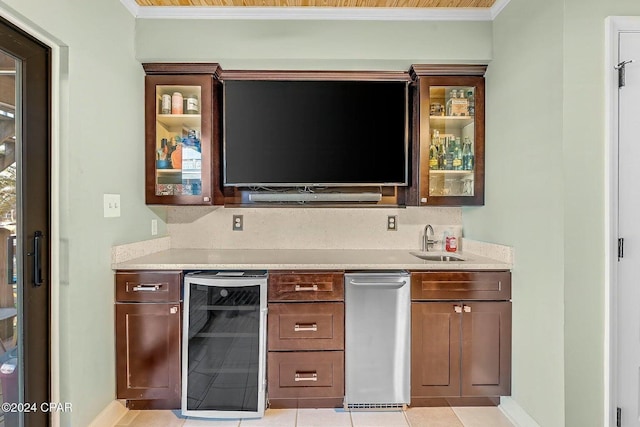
224	346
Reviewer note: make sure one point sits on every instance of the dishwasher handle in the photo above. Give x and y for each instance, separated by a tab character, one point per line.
379	284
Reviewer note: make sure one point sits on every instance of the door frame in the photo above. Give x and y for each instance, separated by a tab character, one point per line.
614	26
59	61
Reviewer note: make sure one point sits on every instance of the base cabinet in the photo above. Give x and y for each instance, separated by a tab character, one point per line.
148	328
461	349
305	360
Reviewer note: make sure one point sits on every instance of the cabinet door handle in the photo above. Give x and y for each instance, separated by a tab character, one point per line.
173	310
467	309
301	327
146	288
313	287
457	309
306	376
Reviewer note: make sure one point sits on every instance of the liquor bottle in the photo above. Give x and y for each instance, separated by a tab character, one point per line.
471	102
457	155
441	154
452	95
433	150
467	155
449	154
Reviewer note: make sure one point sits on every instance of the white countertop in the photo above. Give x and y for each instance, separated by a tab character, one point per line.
301	259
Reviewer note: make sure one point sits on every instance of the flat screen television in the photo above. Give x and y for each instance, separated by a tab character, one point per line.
315	133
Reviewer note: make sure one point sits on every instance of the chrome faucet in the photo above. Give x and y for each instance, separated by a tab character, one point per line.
426	242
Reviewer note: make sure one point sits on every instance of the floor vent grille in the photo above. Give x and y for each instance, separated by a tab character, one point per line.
375	406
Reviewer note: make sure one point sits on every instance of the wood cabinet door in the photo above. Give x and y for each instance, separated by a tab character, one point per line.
148	351
437	184
435	349
486	348
186	177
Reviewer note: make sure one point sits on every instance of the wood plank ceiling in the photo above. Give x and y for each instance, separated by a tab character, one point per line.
325	3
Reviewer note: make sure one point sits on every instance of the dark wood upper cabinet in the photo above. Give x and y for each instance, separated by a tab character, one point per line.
182	133
447	135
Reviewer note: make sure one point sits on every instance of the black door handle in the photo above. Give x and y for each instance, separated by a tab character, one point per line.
37	258
11	254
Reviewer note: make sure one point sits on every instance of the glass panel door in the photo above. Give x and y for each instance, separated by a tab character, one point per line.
9	366
452	145
178	148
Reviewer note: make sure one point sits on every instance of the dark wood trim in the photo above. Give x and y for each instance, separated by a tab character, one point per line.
176	68
314	75
417	402
330	402
418	70
146	404
35	173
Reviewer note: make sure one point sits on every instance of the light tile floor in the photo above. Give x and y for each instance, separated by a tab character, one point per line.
412	417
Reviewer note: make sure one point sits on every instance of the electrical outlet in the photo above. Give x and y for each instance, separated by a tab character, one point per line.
392	223
154	227
238	223
111	205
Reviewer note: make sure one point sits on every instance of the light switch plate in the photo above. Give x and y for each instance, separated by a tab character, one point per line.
111	205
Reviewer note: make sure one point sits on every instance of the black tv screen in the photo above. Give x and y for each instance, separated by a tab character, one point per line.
315	133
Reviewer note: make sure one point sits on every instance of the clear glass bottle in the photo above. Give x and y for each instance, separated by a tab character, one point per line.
457	155
467	155
471	102
433	150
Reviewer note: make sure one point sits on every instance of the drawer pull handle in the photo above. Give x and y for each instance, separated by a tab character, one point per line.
306	376
146	288
313	287
302	327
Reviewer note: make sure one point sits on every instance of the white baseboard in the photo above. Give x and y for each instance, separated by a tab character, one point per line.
518	416
110	415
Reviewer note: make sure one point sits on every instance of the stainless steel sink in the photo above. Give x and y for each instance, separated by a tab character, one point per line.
438	256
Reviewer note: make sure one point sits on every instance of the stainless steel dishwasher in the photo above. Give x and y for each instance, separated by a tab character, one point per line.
377	340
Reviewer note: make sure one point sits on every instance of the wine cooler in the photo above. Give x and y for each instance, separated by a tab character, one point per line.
224	344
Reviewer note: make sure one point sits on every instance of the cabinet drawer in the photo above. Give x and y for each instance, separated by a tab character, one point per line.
310	374
148	286
306	286
306	326
458	285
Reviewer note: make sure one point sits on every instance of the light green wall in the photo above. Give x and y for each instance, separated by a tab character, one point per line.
525	192
583	154
342	45
101	151
544	124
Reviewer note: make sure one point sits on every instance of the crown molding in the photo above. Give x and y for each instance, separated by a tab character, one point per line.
132	7
315	13
497	8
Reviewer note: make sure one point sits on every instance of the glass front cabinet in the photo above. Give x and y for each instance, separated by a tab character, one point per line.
181	134
449	135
